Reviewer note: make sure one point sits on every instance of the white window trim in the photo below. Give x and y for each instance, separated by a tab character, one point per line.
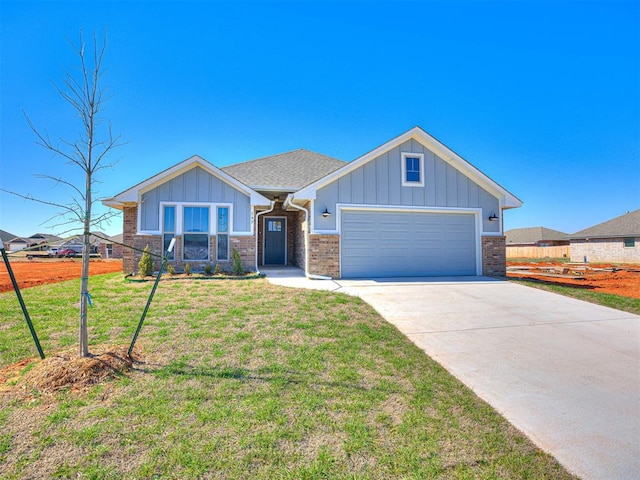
403	165
227	233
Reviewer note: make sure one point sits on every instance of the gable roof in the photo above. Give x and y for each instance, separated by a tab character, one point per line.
533	235
627	225
132	195
442	151
287	171
6	236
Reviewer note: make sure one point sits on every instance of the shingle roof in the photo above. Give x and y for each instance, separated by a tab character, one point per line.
6	236
627	225
288	171
533	235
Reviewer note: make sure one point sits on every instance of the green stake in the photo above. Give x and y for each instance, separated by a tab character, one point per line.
153	291
24	307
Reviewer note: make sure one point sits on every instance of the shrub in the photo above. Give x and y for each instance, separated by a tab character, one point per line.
171	269
187	268
217	270
237	268
208	269
145	265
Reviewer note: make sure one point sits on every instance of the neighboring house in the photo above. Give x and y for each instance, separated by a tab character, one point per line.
100	243
6	237
111	247
616	240
535	237
36	242
536	242
409	207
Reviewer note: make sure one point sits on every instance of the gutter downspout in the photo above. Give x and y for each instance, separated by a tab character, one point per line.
288	202
257	226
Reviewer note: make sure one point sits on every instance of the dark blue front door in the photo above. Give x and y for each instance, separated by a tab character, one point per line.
275	244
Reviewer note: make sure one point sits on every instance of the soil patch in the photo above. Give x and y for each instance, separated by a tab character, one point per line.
31	273
65	371
623	280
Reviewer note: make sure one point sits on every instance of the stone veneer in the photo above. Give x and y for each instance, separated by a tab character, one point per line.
324	255
494	256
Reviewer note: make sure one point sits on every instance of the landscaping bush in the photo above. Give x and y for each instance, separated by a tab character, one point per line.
145	265
237	268
208	269
187	269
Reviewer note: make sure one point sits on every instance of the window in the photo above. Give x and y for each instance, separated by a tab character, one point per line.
168	228
196	233
630	242
223	234
274	225
412	169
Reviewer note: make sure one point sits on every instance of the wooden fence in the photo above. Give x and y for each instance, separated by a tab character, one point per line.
559	251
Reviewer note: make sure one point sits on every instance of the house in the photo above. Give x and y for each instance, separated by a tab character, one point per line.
36	242
6	236
111	246
536	242
100	242
535	237
616	240
408	207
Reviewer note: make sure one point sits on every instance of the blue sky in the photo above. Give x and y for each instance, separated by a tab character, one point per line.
542	96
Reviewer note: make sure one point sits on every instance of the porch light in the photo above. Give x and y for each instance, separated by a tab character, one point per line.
492	216
326	212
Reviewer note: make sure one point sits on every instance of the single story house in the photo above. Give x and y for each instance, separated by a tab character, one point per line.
6	237
111	247
616	240
535	237
410	207
36	242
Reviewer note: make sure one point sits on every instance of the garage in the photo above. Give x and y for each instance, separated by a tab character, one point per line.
405	244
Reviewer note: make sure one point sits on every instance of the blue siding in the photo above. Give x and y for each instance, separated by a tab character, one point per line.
195	185
379	182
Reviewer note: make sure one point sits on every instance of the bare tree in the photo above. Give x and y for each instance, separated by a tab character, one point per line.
89	151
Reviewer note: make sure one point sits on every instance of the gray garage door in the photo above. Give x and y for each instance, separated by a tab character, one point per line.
393	244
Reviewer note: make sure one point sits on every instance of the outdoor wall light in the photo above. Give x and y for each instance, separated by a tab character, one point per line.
326	212
492	216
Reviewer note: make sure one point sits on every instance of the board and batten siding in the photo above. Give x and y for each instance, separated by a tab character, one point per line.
379	182
197	186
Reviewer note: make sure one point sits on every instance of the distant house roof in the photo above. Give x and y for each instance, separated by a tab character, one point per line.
288	171
534	234
627	225
46	237
6	236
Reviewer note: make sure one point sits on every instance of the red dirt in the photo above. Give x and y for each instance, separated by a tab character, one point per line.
624	282
39	272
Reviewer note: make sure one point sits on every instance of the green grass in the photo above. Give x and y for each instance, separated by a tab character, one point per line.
626	304
248	380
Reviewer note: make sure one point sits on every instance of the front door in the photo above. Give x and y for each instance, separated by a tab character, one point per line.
275	241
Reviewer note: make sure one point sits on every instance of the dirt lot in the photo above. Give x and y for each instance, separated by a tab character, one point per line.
30	273
605	278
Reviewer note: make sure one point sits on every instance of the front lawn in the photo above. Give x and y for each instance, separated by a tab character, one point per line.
243	379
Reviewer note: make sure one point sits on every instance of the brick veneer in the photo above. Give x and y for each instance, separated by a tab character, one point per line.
605	250
494	256
130	225
324	255
293	223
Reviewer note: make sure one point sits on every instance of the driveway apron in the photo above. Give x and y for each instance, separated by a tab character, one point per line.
563	371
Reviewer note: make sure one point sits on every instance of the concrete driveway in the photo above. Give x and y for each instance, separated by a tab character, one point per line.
563	371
